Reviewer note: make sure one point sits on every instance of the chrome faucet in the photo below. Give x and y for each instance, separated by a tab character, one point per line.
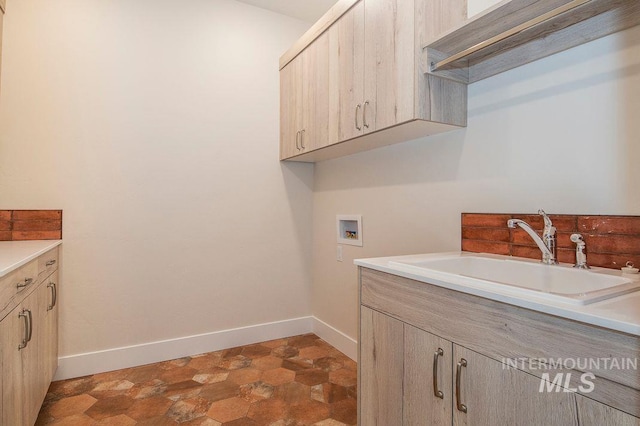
546	244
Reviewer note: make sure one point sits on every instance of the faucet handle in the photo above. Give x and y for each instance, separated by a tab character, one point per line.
581	257
549	229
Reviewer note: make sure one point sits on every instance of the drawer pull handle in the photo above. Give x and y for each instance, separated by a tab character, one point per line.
460	405
28	330
437	392
23	284
54	296
50	263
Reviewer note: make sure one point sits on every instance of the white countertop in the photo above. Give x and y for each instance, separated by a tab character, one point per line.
14	254
620	313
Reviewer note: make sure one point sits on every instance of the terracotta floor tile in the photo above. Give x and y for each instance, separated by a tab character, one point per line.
143	409
202	421
297	364
71	405
266	363
208	378
109	407
303	341
298	381
343	377
278	376
245	376
310	412
229	409
293	393
255	351
312	376
218	391
120	420
178	375
189	409
268	410
275	343
345	411
285	352
75	420
256	391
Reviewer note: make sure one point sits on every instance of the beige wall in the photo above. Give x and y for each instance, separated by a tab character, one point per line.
154	126
561	134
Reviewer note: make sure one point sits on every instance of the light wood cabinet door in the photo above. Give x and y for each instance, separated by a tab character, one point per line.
381	366
346	80
290	108
593	413
315	95
12	331
493	394
389	63
427	402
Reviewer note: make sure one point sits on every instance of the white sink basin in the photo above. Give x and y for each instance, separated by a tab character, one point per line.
520	276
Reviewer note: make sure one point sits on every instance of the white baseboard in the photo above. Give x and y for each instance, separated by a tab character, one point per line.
147	353
336	338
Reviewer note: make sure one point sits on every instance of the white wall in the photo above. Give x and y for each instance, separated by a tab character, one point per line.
154	126
559	134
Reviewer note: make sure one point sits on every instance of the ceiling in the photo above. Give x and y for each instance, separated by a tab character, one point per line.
306	10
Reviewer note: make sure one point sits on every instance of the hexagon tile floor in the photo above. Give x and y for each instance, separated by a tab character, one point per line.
297	381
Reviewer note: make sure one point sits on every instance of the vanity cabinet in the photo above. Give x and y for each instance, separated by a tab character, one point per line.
364	75
29	344
433	356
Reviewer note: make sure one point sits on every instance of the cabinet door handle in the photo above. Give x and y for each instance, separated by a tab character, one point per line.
302	139
54	296
437	392
50	263
30	325
21	285
298	140
358	109
364	115
460	405
26	315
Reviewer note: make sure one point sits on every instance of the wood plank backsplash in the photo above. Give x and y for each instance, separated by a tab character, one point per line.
611	240
21	225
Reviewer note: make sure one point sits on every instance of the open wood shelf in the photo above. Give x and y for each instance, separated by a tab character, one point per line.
514	33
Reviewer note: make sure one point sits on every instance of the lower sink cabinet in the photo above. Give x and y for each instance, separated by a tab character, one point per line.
409	376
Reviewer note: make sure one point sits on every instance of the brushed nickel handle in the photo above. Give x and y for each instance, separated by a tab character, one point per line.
23	284
54	296
25	339
364	115
50	263
297	140
437	392
460	405
358	109
302	139
30	325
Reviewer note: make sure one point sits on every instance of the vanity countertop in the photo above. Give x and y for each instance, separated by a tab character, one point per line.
620	313
14	254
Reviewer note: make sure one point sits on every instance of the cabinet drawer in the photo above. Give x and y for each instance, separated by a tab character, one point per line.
47	263
16	286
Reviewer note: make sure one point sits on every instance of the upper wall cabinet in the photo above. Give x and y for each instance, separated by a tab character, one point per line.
357	79
516	32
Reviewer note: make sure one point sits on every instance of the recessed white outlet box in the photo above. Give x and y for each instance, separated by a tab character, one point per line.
349	229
